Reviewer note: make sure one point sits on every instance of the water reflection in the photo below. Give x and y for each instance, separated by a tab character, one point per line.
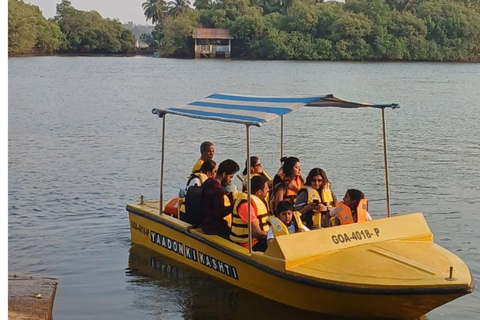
168	289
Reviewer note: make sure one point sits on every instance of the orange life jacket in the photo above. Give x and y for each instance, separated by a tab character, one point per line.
345	214
298	181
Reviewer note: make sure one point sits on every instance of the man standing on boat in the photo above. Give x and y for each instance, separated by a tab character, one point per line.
207	150
216	202
258	216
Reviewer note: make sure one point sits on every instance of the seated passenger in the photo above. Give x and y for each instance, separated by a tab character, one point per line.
215	203
207	150
258	216
287	183
207	170
291	221
256	169
315	197
354	208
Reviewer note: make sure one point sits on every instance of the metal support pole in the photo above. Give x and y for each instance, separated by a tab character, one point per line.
162	165
281	137
249	192
386	162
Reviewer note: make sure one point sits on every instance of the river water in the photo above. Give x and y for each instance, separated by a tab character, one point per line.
83	143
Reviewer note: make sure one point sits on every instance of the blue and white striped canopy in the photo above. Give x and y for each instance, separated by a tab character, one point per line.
256	110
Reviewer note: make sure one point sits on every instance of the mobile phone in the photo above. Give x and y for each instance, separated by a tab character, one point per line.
316	202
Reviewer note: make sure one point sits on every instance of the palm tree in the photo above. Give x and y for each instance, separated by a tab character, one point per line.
202	4
404	5
154	10
178	6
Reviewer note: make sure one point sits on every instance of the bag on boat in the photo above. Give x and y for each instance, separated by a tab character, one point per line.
193	206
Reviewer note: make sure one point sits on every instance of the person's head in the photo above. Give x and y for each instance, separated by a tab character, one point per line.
316	178
259	186
291	167
209	167
207	150
352	197
285	211
226	170
255	166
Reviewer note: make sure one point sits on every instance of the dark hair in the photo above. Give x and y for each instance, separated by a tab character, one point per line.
355	195
207	166
253	161
284	205
316	172
288	164
204	146
228	166
257	183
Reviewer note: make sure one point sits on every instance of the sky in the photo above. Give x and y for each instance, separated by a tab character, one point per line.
123	10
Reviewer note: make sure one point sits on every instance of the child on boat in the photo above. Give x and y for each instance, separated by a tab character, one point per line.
353	208
290	222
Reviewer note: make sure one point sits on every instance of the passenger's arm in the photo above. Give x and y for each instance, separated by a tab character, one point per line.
269	236
279	195
257	232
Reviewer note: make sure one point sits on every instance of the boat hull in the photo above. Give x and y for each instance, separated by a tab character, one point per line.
232	263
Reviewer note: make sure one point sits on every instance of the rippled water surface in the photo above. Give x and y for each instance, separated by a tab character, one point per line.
83	143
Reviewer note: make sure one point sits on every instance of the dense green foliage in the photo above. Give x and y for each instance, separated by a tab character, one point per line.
415	30
72	31
29	31
88	32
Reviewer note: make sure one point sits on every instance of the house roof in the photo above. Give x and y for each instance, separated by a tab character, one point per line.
211	33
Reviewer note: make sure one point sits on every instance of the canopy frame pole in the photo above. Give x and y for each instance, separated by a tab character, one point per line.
162	165
249	192
386	162
281	137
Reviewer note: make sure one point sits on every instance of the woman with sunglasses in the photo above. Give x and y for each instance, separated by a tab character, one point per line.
256	169
315	198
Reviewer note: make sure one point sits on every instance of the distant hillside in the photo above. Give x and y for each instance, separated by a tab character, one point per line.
137	30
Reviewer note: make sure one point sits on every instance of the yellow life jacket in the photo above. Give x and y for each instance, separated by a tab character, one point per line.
312	194
279	228
345	214
244	182
200	175
239	227
327	196
197	165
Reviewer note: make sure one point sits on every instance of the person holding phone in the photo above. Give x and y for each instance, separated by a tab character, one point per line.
315	198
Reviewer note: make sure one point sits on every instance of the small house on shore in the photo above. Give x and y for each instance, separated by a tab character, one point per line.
212	43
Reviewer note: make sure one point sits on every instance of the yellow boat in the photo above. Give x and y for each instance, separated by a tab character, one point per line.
386	268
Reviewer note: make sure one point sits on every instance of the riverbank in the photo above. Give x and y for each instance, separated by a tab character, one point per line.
30	298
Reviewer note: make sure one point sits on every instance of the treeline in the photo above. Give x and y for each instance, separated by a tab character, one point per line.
414	30
71	31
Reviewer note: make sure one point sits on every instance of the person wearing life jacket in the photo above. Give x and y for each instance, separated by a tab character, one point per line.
286	222
315	198
353	208
207	170
258	216
207	150
256	169
287	183
215	202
